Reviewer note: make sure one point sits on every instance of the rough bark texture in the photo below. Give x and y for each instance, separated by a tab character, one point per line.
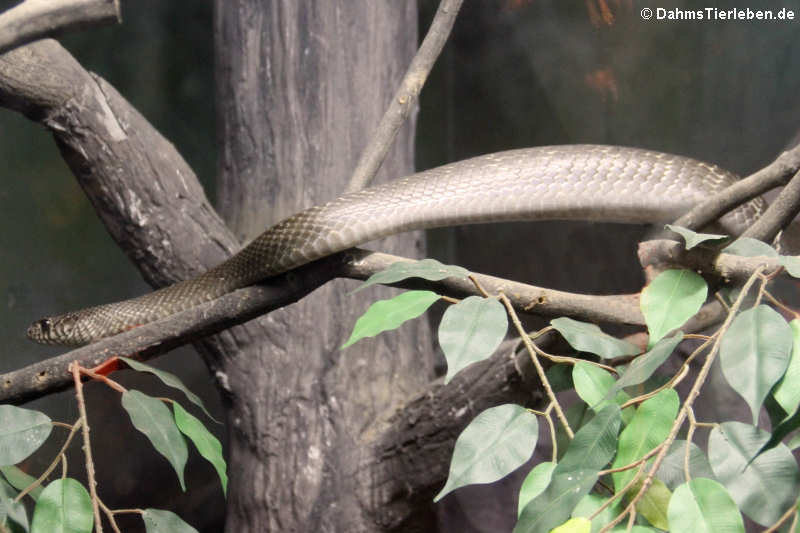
321	439
301	86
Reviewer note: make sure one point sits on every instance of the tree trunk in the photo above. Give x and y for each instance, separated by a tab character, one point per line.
301	86
320	439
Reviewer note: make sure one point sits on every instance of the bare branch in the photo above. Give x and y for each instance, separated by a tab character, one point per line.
529	299
36	19
780	213
144	192
245	304
773	175
667	253
405	99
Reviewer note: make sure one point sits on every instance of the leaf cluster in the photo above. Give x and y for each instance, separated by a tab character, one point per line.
624	467
64	504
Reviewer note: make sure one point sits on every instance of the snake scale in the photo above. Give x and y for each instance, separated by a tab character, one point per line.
584	182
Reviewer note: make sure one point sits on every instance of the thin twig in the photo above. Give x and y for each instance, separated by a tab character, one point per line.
103	379
128	511
405	98
631	518
53	464
779	214
619	493
687	453
781	305
110	517
634	464
87	447
539	370
696	336
773	175
478	285
791	511
552	427
34	19
574	360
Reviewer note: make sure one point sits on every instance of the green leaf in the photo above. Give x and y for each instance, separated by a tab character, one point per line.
792	264
595	443
13	515
22	431
574	525
63	507
535	483
648	428
170	380
783	429
645	365
206	443
578	415
591	503
158	521
153	418
586	337
654	503
670	300
765	488
494	444
470	331
671	470
20	480
6	490
560	377
787	391
555	504
754	354
692	238
748	247
775	412
593	385
703	506
429	269
12	512
384	315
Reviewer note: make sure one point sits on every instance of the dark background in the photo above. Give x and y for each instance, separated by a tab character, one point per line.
515	73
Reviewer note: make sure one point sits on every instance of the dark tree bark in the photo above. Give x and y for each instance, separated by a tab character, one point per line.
301	86
320	439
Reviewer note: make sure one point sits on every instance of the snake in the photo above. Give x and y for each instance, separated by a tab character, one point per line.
569	182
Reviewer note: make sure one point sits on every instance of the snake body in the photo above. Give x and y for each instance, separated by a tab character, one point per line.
584	182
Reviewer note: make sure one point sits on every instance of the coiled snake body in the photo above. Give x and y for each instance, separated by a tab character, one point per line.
584	182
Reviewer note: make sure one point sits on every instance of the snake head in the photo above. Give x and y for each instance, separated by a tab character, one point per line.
57	330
